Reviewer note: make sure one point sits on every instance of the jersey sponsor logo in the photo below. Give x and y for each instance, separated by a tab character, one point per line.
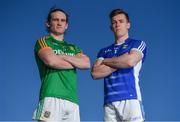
59	52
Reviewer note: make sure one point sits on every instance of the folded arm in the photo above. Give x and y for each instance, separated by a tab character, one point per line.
124	61
80	61
99	70
54	61
63	61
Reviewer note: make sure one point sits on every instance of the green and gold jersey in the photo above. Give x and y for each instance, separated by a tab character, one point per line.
59	83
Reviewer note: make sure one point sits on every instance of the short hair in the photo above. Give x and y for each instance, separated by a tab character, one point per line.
54	9
118	11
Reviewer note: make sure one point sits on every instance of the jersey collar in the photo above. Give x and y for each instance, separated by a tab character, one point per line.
125	42
56	41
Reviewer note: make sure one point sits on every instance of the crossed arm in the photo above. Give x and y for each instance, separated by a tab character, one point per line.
80	61
103	68
100	70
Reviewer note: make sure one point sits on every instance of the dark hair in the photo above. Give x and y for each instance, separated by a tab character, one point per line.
54	9
118	11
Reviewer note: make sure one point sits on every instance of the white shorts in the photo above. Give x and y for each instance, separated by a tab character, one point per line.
55	109
125	110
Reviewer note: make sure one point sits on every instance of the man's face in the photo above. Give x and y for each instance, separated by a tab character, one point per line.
120	25
57	24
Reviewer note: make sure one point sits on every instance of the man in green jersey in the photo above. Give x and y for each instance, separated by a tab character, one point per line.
57	61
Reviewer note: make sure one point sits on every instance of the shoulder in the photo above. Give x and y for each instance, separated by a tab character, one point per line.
71	44
136	41
131	40
73	47
138	45
41	42
43	38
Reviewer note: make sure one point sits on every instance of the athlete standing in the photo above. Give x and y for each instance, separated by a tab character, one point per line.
57	61
119	64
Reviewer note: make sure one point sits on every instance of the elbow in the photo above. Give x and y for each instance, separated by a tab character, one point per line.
50	62
131	63
87	64
95	76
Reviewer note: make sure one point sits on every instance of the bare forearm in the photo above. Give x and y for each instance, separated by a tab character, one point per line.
124	61
58	62
101	71
114	62
54	61
82	62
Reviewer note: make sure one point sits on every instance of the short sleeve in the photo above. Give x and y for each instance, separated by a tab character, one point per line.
40	44
101	54
77	49
140	46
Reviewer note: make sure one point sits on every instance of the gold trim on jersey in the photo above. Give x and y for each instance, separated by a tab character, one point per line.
42	42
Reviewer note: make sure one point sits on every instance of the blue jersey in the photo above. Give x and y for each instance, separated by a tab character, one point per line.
123	84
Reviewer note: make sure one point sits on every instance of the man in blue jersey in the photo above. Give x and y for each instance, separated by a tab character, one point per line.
119	64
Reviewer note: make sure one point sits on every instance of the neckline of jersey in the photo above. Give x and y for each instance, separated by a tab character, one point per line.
57	41
125	41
